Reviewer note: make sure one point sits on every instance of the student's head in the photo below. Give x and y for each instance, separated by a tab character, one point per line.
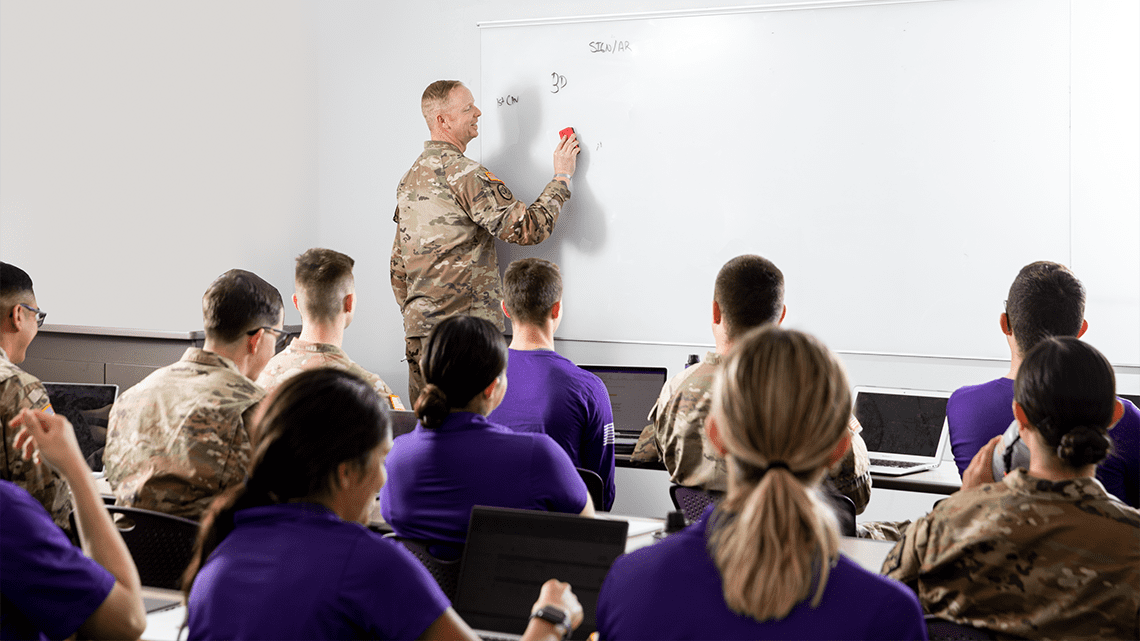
243	316
1045	299
749	292
322	438
324	284
462	357
781	404
1066	390
531	288
21	315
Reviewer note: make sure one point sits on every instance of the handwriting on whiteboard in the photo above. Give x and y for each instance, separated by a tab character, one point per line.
558	82
617	46
507	100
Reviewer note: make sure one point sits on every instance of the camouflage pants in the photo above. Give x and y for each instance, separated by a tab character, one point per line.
413	348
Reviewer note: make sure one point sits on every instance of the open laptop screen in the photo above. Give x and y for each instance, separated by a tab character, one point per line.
906	422
87	406
633	391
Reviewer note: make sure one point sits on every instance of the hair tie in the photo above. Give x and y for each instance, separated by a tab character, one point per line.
774	464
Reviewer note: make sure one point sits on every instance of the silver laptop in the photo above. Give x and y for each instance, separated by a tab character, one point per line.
403	421
905	429
633	392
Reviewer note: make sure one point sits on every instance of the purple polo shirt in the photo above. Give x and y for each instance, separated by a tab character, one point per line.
672	590
977	413
549	394
436	476
297	571
48	588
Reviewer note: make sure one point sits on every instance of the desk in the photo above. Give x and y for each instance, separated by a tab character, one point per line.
163	625
867	553
943	479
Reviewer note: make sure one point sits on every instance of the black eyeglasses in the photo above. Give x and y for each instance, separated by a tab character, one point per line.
282	335
40	314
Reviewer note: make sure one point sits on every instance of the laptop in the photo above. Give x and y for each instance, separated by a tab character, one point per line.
633	392
87	406
905	429
510	553
403	421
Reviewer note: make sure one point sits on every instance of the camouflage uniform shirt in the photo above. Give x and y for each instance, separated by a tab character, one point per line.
182	435
1029	558
301	355
676	436
19	390
449	211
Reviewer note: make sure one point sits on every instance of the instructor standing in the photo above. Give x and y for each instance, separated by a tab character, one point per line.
449	210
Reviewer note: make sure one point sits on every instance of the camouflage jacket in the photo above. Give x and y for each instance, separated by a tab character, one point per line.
301	355
449	211
182	435
1028	558
676	436
19	390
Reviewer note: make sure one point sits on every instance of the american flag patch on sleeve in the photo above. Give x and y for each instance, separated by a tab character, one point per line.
608	434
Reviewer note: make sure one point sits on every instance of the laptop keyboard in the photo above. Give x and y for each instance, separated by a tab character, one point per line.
882	463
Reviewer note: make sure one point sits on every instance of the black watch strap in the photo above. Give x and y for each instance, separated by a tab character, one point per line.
555	615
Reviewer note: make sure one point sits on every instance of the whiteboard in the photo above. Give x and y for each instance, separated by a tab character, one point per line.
883	155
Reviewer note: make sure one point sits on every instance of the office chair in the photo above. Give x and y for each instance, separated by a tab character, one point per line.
844	509
692	501
594	486
442	561
943	630
160	544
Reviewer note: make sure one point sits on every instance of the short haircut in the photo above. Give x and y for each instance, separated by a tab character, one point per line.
324	277
14	285
238	301
750	292
436	97
1045	299
531	287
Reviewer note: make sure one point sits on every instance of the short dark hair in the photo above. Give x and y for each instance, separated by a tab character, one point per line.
750	292
236	302
325	278
14	283
1045	299
462	356
1068	391
531	287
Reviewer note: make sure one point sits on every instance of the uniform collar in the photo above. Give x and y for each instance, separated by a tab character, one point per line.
4	356
1021	482
202	357
441	145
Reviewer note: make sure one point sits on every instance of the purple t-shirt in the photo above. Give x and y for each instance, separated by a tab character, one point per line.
672	590
977	413
549	394
48	588
436	476
297	571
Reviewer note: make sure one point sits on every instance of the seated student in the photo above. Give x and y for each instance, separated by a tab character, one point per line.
749	292
182	436
326	298
285	555
548	393
20	390
765	562
456	458
1046	552
1045	299
48	588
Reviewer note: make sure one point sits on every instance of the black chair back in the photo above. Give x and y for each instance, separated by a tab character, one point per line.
595	487
445	571
692	501
943	630
160	544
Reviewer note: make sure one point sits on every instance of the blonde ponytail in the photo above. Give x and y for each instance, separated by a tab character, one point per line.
781	404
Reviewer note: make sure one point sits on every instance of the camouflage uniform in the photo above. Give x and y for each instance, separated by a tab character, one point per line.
449	211
676	436
1029	558
181	436
19	390
301	355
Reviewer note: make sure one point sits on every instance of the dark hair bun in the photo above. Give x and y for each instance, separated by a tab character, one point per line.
1083	446
432	406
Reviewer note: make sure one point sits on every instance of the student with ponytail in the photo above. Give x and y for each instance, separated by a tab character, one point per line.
765	563
456	458
284	555
1047	552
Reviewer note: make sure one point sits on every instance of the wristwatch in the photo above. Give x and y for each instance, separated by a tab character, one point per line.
557	616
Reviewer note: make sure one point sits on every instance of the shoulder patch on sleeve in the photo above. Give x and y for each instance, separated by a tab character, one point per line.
491	177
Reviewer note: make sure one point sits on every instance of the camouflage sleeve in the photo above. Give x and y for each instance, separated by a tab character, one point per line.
398	273
851	475
41	481
646	448
904	562
493	207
